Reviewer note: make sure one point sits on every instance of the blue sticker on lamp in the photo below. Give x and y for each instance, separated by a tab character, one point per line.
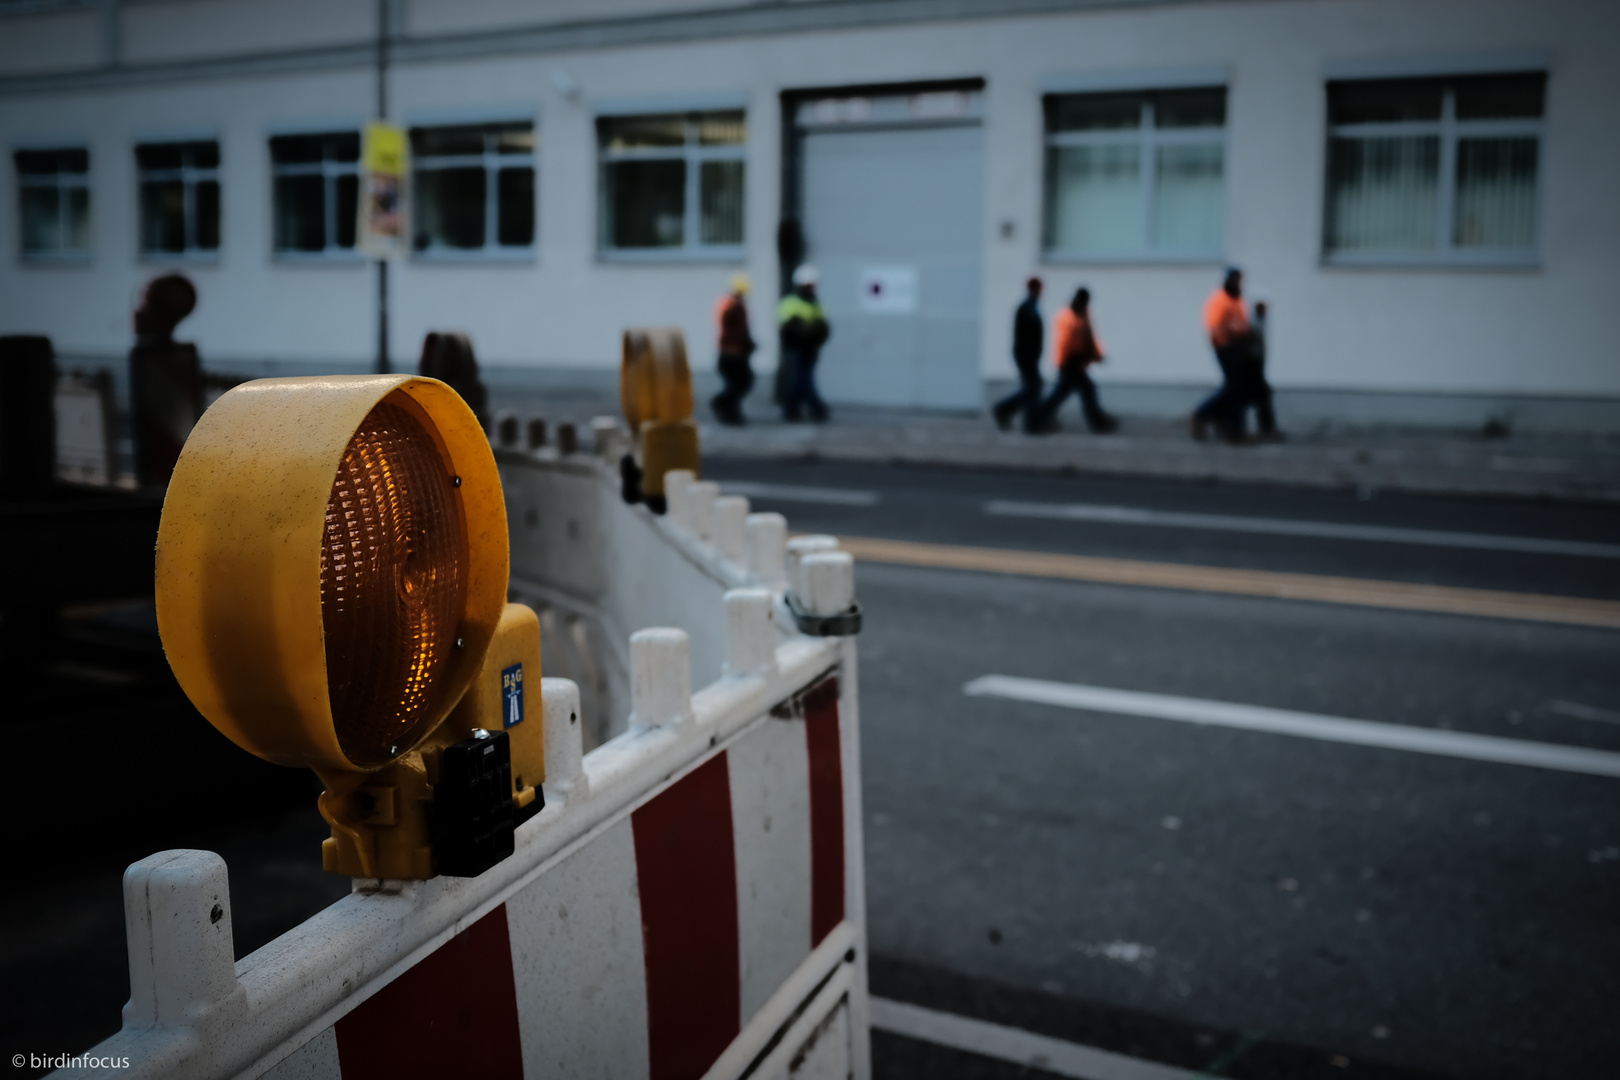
512	695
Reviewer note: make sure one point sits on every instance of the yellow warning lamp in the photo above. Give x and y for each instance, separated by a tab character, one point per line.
655	389
332	568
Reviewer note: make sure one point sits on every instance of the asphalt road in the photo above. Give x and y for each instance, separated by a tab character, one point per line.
1246	903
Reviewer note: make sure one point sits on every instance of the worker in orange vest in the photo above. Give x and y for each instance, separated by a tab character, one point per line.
1074	349
735	346
1226	320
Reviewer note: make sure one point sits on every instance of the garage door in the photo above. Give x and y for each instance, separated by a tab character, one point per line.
893	220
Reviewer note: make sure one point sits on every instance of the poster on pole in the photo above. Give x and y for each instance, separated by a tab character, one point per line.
383	220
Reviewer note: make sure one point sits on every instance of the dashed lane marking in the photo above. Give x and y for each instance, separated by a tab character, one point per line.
1328	530
1025	1048
1458	744
797	493
1271	584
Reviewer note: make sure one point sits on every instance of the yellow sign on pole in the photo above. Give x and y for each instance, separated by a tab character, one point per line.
383	219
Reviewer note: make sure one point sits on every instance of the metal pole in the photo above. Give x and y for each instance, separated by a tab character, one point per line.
382	114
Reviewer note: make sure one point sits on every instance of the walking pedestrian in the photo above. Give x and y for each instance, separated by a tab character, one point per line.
1226	320
1029	341
736	345
1253	389
803	329
1074	349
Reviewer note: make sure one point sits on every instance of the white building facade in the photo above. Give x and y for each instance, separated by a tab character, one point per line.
1422	189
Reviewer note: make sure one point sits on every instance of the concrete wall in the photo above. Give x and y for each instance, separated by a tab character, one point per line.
1540	330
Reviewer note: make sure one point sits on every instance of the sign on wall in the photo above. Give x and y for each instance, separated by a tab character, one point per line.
384	160
888	290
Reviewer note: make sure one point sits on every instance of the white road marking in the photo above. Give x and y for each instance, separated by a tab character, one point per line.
1011	1044
1583	712
1459	744
796	493
1130	515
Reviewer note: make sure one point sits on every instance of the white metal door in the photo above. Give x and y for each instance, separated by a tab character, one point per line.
893	221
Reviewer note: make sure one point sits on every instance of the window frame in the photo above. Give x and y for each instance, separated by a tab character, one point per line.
490	160
189	176
1450	131
61	182
1148	138
329	169
694	155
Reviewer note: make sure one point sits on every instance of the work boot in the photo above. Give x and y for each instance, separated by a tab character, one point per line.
730	417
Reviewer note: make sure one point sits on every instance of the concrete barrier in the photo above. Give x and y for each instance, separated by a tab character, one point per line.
690	902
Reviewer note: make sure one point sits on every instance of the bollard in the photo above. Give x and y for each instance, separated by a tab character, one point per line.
565	775
700	496
506	430
177	920
829	582
767	548
660	677
567	441
537	433
727	528
750	632
797	549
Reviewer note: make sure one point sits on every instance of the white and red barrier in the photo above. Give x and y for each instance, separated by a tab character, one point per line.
689	903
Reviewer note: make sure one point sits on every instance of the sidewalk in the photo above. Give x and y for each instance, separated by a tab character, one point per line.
1576	468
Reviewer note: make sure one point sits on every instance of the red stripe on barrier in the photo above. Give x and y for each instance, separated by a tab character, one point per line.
686	868
821	733
453	1014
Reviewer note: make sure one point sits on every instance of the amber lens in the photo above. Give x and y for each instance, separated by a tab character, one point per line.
393	585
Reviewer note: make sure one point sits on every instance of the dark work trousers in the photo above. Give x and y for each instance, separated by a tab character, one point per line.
1027	397
1073	377
738	376
1225	406
1253	389
802	387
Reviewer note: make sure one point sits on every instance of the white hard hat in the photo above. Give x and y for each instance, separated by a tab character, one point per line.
806	275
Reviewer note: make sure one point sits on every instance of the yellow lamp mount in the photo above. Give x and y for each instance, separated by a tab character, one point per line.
332	568
655	391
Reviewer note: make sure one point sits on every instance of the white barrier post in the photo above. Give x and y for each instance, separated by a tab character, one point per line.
660	677
829	582
767	548
797	549
700	496
605	437
565	772
750	632
177	921
676	483
727	527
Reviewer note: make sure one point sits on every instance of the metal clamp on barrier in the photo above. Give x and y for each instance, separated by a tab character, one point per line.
844	624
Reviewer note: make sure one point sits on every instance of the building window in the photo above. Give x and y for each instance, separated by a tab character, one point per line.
53	200
179	193
673	183
1140	175
1434	169
474	187
317	187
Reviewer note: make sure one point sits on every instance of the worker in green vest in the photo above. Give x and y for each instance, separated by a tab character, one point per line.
803	329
